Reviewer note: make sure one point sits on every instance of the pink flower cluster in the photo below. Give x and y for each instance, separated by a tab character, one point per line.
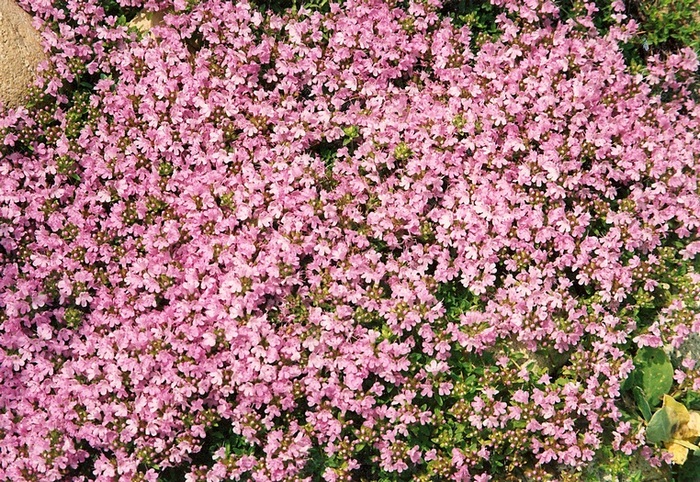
253	221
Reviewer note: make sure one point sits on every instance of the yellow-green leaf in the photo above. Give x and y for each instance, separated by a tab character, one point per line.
685	444
677	413
679	452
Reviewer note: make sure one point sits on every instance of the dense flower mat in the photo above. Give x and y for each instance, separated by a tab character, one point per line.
351	244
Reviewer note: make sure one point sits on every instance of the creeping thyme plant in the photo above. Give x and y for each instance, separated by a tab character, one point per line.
355	242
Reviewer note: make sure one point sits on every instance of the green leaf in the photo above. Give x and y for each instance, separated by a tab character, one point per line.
633	380
655	373
692	400
641	399
660	428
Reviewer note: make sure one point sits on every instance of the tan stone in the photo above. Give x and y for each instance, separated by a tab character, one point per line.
144	21
20	53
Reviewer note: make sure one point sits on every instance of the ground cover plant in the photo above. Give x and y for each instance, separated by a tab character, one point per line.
357	241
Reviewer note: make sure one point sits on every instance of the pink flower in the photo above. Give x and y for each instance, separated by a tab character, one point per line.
186	248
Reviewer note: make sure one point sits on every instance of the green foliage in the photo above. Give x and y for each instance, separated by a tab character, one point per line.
280	6
664	26
73	317
688	472
113	7
611	465
276	6
220	435
478	15
402	152
691	399
457	299
165	169
318	5
669	24
351	133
